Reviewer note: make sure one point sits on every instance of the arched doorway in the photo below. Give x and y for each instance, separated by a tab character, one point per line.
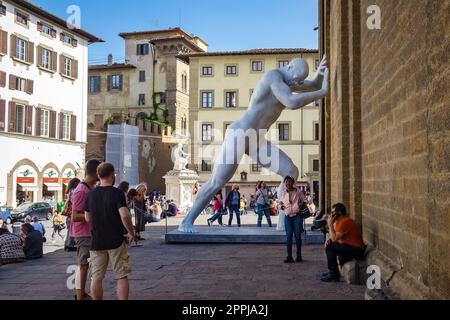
23	183
51	187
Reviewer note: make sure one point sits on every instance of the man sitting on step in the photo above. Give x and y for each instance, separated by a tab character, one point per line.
345	242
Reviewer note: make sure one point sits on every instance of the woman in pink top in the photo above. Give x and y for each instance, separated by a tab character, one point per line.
291	201
218	209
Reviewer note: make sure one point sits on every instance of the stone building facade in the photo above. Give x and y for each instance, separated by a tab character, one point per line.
43	103
387	134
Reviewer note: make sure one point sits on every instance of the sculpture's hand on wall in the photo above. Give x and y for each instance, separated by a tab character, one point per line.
325	82
323	65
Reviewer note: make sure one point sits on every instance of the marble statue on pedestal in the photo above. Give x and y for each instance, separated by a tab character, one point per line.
181	158
180	181
280	89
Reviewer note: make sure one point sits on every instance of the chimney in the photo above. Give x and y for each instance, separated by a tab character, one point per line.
110	59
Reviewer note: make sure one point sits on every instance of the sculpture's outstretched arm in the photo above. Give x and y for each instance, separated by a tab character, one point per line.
296	101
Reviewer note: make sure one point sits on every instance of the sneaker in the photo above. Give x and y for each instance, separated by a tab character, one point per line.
289	260
330	278
326	274
209	223
299	259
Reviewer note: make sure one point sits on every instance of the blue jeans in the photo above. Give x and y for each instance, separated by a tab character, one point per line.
263	210
234	209
293	227
217	216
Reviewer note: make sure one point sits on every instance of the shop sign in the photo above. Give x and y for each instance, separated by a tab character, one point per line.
51	176
26	174
68	175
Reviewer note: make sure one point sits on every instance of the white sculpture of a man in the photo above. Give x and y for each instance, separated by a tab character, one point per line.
181	158
280	89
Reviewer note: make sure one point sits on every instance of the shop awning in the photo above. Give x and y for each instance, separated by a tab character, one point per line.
27	184
52	184
28	187
54	187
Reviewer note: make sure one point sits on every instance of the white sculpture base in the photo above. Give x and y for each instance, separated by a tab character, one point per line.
180	186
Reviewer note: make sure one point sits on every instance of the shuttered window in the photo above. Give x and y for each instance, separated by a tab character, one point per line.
21	84
22	18
3	42
68	67
68	39
46	58
2	79
21	47
115	82
22	50
2	115
94	84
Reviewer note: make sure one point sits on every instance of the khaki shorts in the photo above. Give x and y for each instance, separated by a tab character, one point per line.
83	245
119	260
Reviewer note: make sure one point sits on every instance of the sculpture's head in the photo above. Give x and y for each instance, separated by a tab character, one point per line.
297	72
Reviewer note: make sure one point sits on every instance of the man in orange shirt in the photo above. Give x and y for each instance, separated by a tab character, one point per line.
345	242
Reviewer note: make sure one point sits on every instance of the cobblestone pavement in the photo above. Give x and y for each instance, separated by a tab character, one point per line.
178	272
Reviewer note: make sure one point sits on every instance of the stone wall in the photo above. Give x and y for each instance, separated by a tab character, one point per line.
389	137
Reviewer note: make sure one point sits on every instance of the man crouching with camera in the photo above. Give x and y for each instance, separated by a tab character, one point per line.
345	241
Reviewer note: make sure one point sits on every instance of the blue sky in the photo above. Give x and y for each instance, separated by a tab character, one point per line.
223	24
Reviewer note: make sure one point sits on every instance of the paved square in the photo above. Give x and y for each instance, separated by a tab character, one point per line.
197	271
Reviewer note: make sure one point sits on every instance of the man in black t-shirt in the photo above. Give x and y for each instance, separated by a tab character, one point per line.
106	210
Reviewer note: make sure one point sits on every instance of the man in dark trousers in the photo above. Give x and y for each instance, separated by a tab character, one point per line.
345	242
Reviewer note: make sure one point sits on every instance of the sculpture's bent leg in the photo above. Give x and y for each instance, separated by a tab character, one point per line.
280	162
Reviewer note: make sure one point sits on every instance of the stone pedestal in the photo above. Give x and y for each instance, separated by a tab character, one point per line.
242	235
179	187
